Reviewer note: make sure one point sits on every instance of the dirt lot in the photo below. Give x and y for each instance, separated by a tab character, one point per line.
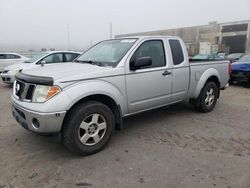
169	147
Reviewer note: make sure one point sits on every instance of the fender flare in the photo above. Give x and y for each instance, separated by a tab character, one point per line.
203	79
82	90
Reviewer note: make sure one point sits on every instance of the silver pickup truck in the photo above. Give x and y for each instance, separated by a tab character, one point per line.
86	100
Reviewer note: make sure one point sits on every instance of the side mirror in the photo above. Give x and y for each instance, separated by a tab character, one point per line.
140	62
42	63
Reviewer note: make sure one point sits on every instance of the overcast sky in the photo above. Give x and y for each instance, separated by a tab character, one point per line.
32	24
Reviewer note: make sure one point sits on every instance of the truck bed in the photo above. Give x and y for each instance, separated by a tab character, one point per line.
199	67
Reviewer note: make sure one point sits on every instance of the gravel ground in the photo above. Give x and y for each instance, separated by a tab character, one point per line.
168	147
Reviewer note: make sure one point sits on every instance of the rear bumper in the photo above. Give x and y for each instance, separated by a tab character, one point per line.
8	78
38	122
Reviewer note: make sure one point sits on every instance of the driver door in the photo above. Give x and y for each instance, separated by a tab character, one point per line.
149	87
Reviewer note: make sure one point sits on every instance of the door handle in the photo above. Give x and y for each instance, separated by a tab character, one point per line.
165	73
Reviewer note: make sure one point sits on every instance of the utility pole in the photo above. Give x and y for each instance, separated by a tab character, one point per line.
110	30
68	37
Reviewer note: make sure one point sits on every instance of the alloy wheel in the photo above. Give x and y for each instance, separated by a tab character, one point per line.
92	129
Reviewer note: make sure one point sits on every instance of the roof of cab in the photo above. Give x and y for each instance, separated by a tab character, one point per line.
148	36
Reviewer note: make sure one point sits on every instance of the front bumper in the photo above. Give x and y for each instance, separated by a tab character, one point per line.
240	76
8	78
38	122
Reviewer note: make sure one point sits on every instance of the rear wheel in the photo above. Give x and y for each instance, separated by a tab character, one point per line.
207	98
88	128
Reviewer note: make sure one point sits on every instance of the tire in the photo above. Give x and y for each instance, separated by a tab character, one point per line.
207	98
88	128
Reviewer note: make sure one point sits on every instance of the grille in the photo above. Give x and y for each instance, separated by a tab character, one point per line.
5	79
23	91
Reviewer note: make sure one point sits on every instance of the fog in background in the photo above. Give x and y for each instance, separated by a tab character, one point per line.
36	24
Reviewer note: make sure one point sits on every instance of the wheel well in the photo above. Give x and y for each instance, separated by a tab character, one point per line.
216	81
108	101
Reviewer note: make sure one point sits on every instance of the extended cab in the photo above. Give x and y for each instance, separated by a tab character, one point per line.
86	100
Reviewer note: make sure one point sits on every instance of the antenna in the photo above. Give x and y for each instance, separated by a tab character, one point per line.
68	37
110	30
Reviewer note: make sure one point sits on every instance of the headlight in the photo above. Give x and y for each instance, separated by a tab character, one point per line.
44	93
14	71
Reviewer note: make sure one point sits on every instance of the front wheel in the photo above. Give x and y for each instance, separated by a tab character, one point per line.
207	98
88	128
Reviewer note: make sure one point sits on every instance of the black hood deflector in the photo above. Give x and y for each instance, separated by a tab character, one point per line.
41	80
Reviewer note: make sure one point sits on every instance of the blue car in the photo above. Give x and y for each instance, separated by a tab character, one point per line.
241	70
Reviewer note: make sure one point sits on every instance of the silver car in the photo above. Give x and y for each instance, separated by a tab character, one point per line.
9	58
50	57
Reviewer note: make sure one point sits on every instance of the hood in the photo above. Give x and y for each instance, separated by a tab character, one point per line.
19	66
241	66
67	72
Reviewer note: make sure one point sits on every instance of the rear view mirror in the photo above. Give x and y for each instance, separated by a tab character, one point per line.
140	62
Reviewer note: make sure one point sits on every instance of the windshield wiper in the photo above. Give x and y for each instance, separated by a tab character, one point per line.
89	61
78	61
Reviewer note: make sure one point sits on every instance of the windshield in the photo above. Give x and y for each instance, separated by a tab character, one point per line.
107	53
36	57
245	58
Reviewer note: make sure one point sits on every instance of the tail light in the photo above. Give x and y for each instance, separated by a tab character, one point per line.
229	68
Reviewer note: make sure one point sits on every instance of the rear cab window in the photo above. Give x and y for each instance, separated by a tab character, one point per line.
177	52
